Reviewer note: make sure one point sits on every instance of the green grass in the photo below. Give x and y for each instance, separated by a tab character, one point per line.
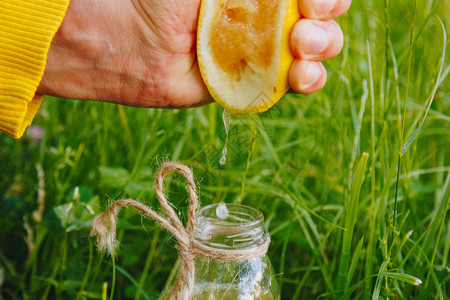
343	224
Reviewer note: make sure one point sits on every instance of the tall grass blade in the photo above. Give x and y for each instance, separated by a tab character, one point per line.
354	263
402	277
443	206
133	281
350	221
296	200
354	287
408	76
433	93
317	252
376	291
358	124
398	276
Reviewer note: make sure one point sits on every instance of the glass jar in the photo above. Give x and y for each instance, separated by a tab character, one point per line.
240	227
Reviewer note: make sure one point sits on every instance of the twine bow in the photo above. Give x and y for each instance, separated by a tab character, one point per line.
104	228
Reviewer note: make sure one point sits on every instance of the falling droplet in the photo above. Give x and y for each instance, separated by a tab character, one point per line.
223	159
222	211
226	116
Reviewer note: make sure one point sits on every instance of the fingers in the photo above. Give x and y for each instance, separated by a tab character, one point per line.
323	9
307	76
316	40
313	39
311	42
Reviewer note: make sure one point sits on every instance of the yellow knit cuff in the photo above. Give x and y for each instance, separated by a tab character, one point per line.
27	28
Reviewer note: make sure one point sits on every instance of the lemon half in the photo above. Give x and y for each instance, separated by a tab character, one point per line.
243	51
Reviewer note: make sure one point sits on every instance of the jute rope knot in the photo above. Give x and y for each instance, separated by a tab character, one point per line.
104	228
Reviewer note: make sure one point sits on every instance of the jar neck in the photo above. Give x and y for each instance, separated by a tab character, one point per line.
242	227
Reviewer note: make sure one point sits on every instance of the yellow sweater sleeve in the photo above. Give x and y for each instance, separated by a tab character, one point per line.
27	28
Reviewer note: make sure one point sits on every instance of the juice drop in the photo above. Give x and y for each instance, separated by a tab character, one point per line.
222	211
226	116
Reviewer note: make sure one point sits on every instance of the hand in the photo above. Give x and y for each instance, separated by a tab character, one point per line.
142	52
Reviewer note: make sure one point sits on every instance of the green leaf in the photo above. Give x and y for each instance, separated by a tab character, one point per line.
76	215
113	177
134	189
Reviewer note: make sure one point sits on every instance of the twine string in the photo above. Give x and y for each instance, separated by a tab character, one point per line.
104	228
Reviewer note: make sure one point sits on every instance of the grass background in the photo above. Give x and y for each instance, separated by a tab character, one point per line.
302	164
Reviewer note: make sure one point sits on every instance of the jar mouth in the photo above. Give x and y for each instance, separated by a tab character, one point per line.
243	227
238	215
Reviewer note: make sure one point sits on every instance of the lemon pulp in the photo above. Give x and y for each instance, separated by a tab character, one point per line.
247	25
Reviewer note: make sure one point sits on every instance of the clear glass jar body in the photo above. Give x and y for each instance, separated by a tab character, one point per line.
243	228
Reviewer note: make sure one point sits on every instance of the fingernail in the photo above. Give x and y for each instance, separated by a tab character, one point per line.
312	75
316	41
324	7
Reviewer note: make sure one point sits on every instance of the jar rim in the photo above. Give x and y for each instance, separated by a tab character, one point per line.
258	216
